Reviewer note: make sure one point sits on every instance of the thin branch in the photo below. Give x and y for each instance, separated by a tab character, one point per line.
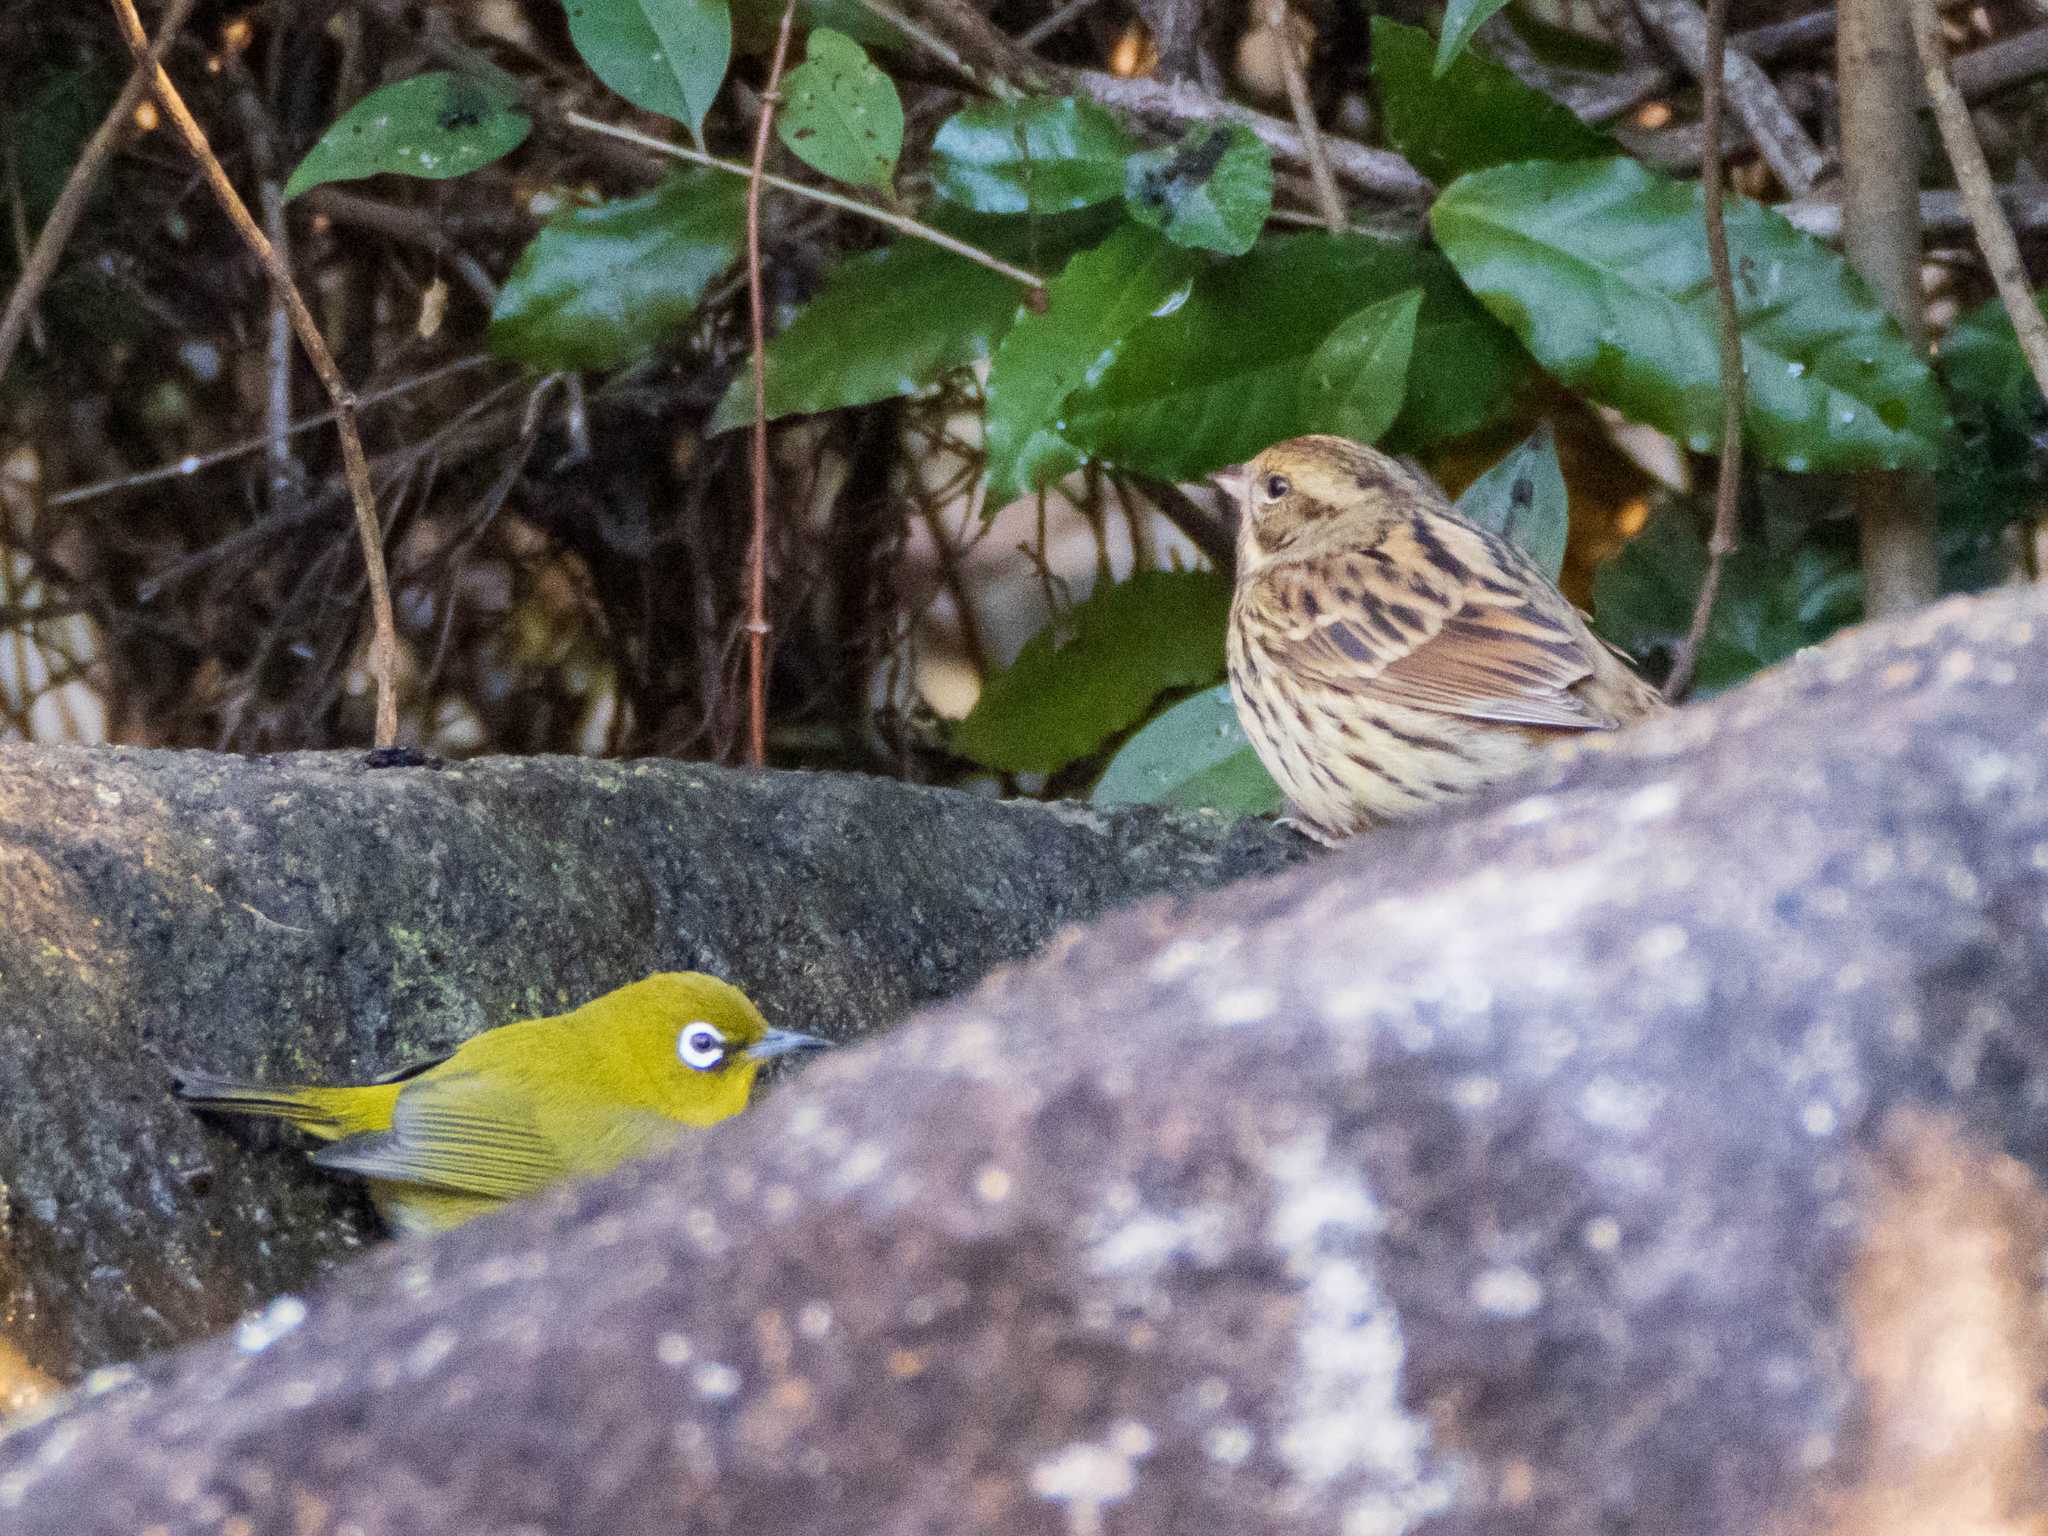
902	223
1941	212
1728	487
1058	21
355	464
757	543
1181	102
1792	155
56	232
1980	197
1279	20
192	463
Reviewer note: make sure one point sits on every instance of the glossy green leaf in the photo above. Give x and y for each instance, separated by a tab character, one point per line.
601	286
1477	115
1093	307
1523	499
887	323
1981	357
1194	755
1219	378
1461	19
666	56
433	126
1601	267
1212	191
840	115
1356	381
1771	602
1097	670
1037	154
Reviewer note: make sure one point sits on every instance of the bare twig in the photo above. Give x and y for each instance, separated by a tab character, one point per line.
1941	212
1061	17
42	260
757	543
1181	102
1882	237
1980	197
191	464
1279	20
902	223
1792	155
1728	488
355	464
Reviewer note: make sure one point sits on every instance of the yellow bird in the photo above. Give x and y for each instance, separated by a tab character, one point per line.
520	1106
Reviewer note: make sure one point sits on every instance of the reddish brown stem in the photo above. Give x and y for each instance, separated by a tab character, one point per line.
1727	489
757	548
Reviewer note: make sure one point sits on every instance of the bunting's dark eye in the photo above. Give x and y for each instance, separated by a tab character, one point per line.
1275	487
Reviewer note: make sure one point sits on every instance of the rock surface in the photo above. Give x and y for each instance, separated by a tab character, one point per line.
1657	1152
306	916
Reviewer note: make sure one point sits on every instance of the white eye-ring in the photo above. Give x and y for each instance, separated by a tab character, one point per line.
701	1046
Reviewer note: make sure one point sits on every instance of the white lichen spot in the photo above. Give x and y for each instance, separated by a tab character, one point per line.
673	1349
255	1334
992	1184
106	1378
1348	1004
1211	1393
1602	1234
1507	1290
702	1225
1615	1104
861	1165
1242	1005
1530	812
1476	1091
432	1349
1347	1421
814	1320
1228	1444
716	1382
1141	1244
1653	802
1818	1118
1176	960
1087	1478
1665	942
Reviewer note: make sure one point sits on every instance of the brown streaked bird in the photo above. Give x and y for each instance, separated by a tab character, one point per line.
1386	655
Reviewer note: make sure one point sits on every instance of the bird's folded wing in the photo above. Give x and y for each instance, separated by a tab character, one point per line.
1476	636
456	1133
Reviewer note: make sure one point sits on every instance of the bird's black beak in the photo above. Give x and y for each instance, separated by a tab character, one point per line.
783	1042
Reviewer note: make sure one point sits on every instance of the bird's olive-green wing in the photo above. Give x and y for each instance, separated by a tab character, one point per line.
455	1132
1439	616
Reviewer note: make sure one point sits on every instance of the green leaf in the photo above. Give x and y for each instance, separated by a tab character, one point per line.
1523	499
755	23
1038	154
602	286
1984	364
1356	380
1094	672
840	115
433	126
886	323
1601	267
53	116
666	56
1092	308
1771	602
1195	755
1478	115
1220	377
1461	19
1212	191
